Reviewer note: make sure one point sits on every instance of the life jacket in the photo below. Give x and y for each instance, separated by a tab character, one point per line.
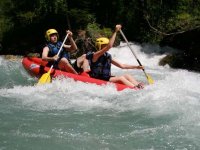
102	67
54	48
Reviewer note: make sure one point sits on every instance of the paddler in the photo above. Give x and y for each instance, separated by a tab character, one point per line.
100	63
62	61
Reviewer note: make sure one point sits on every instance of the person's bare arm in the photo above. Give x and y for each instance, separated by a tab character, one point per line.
97	54
45	55
72	47
125	66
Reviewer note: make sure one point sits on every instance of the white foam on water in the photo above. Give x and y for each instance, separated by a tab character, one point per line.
174	91
173	100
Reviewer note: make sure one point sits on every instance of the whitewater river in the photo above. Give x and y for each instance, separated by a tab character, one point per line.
69	115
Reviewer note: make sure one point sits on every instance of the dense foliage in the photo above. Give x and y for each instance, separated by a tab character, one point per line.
23	23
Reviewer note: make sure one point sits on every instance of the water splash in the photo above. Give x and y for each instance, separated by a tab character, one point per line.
164	115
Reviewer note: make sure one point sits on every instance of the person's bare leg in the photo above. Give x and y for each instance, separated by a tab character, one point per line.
131	79
121	79
82	62
66	66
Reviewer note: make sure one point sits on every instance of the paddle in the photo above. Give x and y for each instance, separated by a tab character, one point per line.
149	79
46	78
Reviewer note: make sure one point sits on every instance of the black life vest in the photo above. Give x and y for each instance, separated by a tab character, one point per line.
54	48
102	67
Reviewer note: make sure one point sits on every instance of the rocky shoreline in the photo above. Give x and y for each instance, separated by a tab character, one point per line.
19	57
188	44
12	57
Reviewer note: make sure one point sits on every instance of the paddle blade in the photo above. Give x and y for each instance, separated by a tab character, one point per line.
150	80
46	78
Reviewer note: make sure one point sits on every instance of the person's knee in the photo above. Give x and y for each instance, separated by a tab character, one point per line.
86	62
127	75
82	60
121	78
84	55
65	61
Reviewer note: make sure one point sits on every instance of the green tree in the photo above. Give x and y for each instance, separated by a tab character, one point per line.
5	22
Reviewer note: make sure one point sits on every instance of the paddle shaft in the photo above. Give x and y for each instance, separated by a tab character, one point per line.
132	51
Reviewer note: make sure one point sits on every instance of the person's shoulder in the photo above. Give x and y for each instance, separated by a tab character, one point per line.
46	47
59	42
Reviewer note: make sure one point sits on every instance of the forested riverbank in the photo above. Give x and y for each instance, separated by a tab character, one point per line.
163	22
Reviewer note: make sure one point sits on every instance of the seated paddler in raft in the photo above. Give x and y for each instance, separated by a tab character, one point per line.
62	61
100	63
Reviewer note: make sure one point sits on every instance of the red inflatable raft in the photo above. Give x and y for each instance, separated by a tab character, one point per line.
37	67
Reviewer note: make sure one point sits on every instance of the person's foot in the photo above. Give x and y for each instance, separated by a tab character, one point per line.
140	86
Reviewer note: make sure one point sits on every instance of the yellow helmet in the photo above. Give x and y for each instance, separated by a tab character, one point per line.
49	32
100	41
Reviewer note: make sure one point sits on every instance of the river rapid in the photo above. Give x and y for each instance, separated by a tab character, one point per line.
69	115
